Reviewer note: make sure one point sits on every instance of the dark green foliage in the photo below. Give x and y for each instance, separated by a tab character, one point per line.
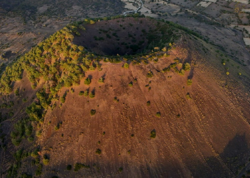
186	66
126	65
92	112
148	103
153	134
188	96
87	81
120	169
150	74
25	175
34	111
69	167
18	155
189	82
39	170
130	84
158	114
79	166
45	160
92	94
81	93
98	151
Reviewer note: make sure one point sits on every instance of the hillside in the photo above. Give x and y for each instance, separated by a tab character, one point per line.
124	97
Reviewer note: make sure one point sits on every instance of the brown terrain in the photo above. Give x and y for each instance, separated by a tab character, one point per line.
202	129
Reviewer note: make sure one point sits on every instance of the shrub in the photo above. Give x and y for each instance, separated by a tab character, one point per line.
39	170
120	169
98	151
86	93
30	139
16	142
188	96
81	93
186	66
227	73
239	73
158	114
79	166
189	82
92	112
69	167
126	65
116	99
87	81
130	84
92	95
63	99
34	154
101	80
149	74
148	103
45	160
153	134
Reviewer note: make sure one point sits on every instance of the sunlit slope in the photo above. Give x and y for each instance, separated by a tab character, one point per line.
178	110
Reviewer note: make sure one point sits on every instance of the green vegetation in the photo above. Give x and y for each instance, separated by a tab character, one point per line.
186	66
81	93
126	65
98	151
188	96
92	94
87	81
158	114
120	169
92	112
189	82
101	80
69	167
150	74
130	84
153	134
79	166
148	103
45	160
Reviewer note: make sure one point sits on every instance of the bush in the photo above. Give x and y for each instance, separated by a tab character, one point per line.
81	93
189	82
69	167
153	134
92	95
16	142
30	139
148	103
86	93
149	74
45	160
87	81
186	66
227	73
126	65
63	99
79	166
98	151
130	84
188	96
120	169
158	114
101	80
92	112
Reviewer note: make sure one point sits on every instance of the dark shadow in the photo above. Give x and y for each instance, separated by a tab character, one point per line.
233	157
7	54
